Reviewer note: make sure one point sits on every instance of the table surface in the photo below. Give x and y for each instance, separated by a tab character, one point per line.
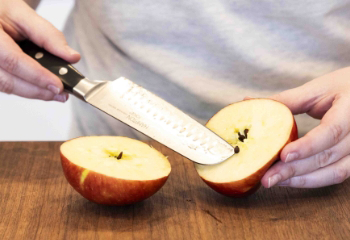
36	202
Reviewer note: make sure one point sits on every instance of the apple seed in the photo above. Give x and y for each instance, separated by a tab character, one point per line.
246	133
241	137
236	149
120	155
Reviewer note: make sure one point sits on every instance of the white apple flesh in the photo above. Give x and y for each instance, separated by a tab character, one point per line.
260	128
113	170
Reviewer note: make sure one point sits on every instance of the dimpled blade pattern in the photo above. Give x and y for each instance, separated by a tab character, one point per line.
151	115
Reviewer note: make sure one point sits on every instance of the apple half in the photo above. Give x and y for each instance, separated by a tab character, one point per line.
113	170
258	129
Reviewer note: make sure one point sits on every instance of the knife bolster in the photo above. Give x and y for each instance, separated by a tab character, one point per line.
85	87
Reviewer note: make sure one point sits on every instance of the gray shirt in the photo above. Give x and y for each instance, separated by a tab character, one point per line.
203	55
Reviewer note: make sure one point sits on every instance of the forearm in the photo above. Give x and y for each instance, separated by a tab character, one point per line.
33	3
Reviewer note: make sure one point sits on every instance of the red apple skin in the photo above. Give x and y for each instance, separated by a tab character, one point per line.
250	184
107	190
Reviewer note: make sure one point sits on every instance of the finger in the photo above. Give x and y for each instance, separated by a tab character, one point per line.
13	85
28	90
299	100
333	174
282	171
11	30
332	129
321	107
45	35
15	62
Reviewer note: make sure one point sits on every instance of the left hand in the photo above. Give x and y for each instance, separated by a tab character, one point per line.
321	157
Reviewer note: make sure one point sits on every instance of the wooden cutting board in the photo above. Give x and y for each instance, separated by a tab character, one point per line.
36	202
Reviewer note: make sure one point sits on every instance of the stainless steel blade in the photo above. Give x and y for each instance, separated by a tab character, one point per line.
151	115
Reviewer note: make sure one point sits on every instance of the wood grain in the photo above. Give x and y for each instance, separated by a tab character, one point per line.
36	202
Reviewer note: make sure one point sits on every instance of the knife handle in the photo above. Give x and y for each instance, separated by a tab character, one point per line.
69	76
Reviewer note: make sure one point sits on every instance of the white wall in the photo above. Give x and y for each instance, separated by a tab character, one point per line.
25	119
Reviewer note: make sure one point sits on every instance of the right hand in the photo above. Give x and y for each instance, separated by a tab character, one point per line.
20	74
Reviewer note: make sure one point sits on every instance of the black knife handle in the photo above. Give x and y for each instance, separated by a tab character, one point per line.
69	76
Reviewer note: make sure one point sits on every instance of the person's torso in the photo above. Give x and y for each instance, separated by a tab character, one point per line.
203	55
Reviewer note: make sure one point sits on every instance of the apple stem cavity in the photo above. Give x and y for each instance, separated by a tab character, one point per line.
236	149
120	155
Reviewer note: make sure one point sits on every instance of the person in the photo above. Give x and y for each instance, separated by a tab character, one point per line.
201	56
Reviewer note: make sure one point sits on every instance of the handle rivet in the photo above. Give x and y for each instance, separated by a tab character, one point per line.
39	55
63	71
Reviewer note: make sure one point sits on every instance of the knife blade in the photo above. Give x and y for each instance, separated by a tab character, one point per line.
140	109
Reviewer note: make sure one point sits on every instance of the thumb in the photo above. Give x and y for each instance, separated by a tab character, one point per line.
298	100
45	35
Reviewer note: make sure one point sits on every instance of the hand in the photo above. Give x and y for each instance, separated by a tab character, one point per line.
321	157
20	74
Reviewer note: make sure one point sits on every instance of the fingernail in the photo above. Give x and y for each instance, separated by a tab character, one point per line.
71	51
291	157
60	98
273	180
53	89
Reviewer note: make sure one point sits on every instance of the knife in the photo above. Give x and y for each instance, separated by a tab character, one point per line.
138	108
